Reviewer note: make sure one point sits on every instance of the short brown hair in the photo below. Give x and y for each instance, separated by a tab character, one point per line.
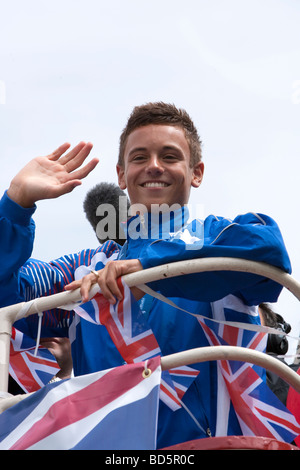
162	113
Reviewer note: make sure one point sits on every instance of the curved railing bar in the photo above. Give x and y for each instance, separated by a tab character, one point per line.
235	353
179	268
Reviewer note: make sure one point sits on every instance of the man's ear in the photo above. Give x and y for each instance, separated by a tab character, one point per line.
121	177
198	171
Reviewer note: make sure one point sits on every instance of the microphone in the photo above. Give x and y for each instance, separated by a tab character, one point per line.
106	207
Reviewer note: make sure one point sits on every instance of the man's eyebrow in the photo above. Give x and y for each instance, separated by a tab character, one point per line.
171	147
137	149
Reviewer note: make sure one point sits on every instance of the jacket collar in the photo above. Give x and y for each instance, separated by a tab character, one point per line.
157	225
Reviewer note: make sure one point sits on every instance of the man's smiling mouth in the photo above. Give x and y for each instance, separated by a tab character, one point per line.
155	184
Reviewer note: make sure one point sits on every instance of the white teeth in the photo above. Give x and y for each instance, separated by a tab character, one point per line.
157	184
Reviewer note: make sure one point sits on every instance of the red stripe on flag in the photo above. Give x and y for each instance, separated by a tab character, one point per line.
90	400
172	396
214	341
230	334
179	392
133	350
236	388
257	340
277	419
23	373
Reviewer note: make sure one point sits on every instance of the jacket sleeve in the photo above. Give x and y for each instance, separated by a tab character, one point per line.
16	235
251	236
37	278
17	231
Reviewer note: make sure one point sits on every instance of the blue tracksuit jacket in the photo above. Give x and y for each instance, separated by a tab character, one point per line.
250	236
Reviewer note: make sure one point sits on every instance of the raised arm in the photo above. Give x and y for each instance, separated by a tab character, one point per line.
43	177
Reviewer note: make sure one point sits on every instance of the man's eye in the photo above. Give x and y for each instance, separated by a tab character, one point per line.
170	157
138	157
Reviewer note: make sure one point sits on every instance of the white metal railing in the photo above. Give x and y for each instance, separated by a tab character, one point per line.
10	314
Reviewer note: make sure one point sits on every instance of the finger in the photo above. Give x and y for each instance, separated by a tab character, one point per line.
114	288
73	285
48	344
112	271
86	285
76	156
79	158
106	292
59	151
85	170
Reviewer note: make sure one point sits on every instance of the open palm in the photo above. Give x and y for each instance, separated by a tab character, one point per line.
51	176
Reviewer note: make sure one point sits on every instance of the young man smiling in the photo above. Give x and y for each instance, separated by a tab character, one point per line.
157	166
159	161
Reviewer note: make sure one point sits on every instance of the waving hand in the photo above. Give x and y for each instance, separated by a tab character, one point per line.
51	176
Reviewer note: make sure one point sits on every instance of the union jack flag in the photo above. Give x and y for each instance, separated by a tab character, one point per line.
134	339
109	410
259	411
30	371
182	377
174	384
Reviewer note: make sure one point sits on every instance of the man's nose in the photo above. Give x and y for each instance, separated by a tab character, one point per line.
155	165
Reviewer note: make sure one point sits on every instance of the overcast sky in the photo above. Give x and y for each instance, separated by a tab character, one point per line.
73	70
